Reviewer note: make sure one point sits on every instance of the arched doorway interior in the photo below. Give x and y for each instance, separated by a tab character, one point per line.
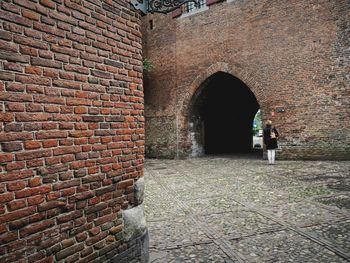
221	116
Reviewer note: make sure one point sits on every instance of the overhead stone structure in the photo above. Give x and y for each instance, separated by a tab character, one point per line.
215	66
71	132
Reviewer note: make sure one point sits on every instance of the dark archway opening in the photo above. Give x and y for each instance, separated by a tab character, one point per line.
221	118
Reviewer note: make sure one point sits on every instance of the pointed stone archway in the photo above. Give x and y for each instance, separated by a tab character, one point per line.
218	112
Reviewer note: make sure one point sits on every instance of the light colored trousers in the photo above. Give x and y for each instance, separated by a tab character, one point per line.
271	156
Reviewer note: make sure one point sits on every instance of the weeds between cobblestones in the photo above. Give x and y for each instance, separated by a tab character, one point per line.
222	209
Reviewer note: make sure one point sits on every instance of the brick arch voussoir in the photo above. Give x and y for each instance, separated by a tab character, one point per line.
245	76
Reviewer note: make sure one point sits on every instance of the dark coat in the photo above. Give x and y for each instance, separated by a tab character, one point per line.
271	143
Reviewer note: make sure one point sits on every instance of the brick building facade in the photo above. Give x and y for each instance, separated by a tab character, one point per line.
71	131
214	68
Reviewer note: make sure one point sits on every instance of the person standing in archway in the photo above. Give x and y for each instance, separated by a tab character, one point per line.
270	136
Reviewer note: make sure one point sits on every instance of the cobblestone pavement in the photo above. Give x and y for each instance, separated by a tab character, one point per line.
237	209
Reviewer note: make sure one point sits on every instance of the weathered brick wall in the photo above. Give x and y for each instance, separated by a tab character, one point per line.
291	54
71	128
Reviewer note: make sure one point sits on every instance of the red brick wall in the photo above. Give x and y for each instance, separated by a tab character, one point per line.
71	127
291	54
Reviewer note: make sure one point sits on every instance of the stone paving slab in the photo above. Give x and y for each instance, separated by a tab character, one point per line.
213	205
260	198
159	210
341	201
197	253
232	209
283	246
299	214
337	233
239	223
175	233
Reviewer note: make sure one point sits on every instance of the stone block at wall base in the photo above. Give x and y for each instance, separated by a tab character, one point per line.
138	252
135	235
